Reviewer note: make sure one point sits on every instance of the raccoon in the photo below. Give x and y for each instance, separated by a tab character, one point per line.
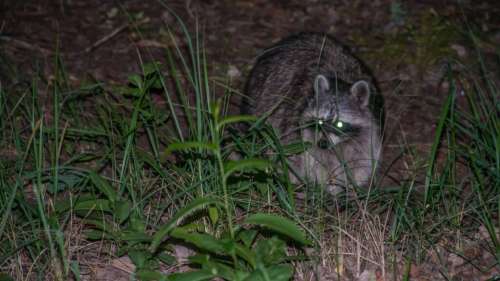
313	89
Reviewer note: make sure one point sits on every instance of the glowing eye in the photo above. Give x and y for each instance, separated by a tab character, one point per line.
320	122
340	124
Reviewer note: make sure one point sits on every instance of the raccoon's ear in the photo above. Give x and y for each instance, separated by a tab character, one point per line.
321	84
361	90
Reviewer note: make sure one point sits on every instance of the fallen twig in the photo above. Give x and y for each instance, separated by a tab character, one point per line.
43	51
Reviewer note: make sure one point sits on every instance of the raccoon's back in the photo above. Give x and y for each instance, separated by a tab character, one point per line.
281	81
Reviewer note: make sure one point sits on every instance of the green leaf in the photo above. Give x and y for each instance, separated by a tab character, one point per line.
149	159
175	220
270	251
66	205
199	275
94	234
202	241
135	80
94	205
211	244
213	213
140	258
215	109
231	167
102	224
151	67
274	273
217	267
137	223
189	145
246	253
103	186
135	236
150	275
234	119
166	258
122	210
247	236
280	225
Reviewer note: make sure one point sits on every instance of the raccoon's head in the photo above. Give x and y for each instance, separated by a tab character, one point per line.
338	112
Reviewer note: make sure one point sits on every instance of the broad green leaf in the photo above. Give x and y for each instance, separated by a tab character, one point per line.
137	223
135	80
166	258
66	205
140	258
246	254
122	210
176	219
150	275
102	224
103	186
151	67
129	91
274	273
94	234
199	275
93	205
234	119
190	145
270	251
280	225
231	167
283	272
135	236
218	267
209	243
66	181
150	160
213	213
247	236
201	240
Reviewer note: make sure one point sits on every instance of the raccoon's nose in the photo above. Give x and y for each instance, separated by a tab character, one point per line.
323	144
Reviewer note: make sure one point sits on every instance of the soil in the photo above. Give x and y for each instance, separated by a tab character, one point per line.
97	41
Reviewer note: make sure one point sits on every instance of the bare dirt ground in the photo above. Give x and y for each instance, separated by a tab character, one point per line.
96	40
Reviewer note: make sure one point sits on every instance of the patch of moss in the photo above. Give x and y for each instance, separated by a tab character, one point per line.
420	41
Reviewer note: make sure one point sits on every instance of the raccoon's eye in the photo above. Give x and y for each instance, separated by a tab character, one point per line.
341	127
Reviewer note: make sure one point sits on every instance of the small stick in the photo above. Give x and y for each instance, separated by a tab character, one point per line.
104	39
90	48
110	35
25	45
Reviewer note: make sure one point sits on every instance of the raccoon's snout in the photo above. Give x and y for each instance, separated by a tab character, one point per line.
323	143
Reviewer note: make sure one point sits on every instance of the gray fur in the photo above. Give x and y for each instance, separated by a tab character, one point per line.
311	78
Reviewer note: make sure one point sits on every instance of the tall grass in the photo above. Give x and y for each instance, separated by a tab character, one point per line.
98	158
